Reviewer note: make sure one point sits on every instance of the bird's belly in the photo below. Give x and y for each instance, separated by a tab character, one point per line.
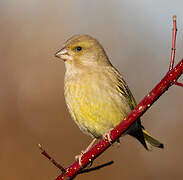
95	109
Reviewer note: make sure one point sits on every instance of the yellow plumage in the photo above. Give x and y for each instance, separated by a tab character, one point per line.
96	94
89	101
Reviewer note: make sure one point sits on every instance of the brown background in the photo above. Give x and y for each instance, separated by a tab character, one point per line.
137	38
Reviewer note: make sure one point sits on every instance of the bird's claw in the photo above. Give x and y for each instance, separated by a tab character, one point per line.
78	157
107	136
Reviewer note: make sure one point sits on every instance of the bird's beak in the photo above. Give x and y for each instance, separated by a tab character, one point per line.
63	54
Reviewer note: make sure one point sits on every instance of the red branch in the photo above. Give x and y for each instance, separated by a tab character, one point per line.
99	148
169	79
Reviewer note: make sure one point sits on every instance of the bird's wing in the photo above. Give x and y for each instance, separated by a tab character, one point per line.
125	91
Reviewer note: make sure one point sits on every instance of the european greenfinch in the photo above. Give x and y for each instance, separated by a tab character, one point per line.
96	95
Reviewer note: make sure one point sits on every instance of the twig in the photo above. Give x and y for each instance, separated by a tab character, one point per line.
169	79
178	84
172	60
174	33
43	152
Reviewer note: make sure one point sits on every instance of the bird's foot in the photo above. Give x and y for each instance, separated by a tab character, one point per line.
107	136
78	157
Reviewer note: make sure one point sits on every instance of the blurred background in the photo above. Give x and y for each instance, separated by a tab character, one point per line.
137	38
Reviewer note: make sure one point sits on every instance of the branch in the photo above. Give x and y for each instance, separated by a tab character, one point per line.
169	79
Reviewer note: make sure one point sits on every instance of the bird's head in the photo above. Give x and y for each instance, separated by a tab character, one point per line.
82	51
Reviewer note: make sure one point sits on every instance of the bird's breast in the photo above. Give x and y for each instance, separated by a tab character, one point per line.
94	103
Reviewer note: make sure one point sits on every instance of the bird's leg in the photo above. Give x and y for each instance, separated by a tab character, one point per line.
78	157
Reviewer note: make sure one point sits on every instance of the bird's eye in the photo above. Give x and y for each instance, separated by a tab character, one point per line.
78	48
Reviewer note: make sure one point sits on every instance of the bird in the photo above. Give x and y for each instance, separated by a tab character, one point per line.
97	96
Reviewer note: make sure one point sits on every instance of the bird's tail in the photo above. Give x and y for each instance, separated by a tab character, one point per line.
150	141
145	138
